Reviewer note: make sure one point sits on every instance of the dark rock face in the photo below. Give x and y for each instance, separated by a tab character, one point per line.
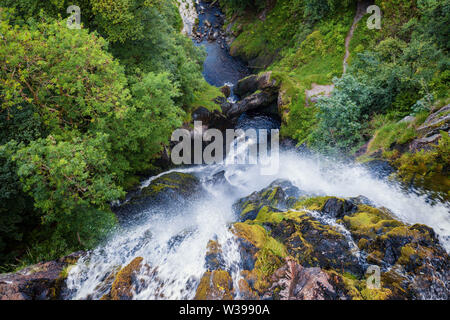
338	208
214	119
290	252
316	245
249	85
279	195
294	282
174	186
43	281
259	92
257	100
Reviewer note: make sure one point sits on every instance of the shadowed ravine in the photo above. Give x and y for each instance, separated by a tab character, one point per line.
172	233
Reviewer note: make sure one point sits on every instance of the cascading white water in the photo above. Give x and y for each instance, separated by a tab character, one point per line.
174	239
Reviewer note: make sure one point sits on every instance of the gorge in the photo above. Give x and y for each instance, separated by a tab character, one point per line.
225	231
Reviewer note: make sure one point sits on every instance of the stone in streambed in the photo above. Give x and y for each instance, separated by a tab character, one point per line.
43	281
215	285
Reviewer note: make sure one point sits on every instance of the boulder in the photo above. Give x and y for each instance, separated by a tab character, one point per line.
257	100
294	282
429	133
280	194
215	285
250	84
298	252
43	281
172	185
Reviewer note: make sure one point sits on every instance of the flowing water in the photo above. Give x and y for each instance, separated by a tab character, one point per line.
172	238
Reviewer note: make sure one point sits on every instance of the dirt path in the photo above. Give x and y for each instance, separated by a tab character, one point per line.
325	90
360	12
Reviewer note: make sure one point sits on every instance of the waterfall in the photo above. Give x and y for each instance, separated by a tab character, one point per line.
172	239
188	13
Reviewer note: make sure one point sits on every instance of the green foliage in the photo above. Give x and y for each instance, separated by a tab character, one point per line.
339	118
82	115
67	180
139	134
17	215
64	75
428	169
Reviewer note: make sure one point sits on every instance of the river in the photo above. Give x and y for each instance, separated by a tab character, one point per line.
173	238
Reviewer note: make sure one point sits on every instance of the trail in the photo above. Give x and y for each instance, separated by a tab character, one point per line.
360	12
325	90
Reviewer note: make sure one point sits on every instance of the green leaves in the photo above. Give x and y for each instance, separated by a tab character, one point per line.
71	174
64	74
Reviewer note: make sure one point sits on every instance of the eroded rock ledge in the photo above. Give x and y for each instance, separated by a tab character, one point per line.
299	247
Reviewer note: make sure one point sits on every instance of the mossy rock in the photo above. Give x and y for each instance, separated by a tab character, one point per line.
123	285
174	188
176	183
214	259
412	262
279	195
315	244
215	285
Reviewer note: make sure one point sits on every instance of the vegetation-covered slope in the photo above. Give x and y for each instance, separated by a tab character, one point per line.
83	111
399	70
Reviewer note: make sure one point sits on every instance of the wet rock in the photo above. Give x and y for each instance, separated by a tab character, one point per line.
169	186
125	281
323	261
315	244
278	195
257	100
250	84
414	250
219	179
294	282
215	285
226	90
214	258
338	208
43	281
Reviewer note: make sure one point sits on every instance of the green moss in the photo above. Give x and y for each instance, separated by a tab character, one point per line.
314	204
427	169
390	134
215	285
376	294
253	233
122	285
266	214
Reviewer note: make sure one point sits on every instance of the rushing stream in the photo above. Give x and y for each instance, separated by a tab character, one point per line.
173	238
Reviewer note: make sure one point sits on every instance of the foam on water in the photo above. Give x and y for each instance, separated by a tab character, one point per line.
174	239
